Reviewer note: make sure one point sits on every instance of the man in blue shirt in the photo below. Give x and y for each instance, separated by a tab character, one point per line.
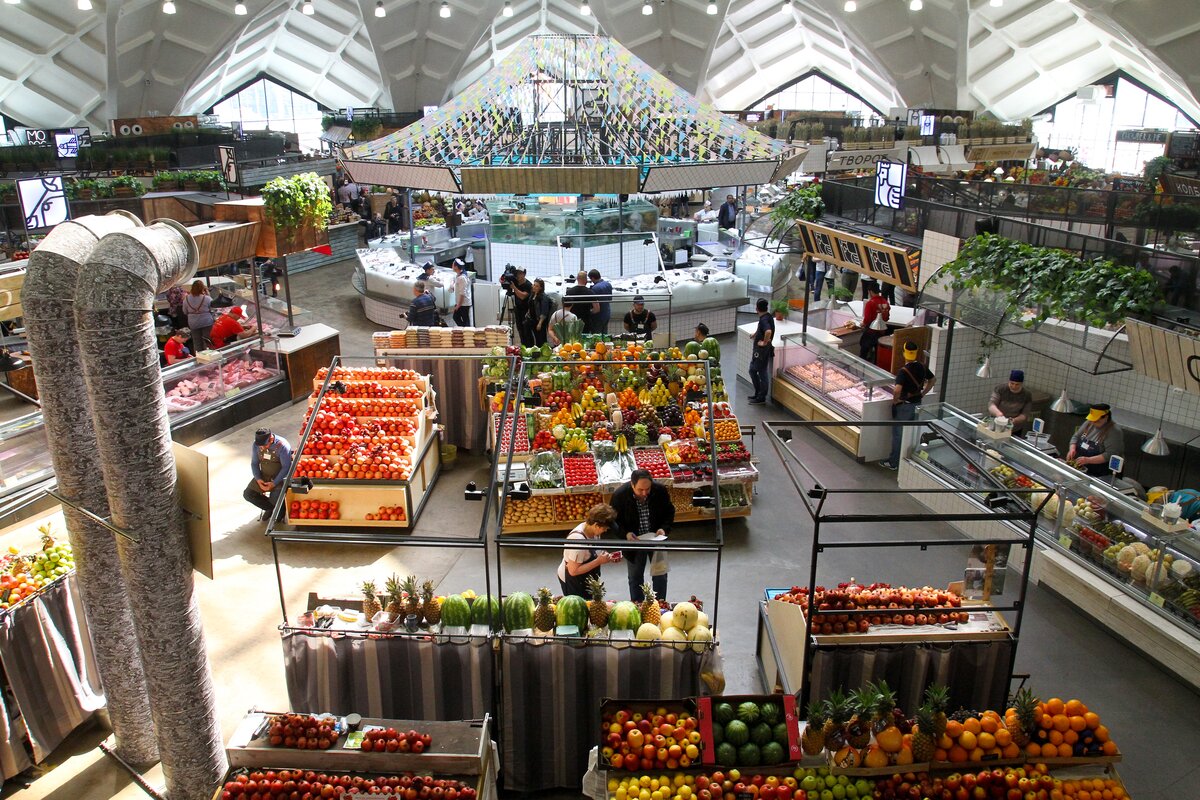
422	310
603	291
270	460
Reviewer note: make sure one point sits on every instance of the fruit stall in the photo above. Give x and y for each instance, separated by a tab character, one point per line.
326	755
833	631
50	685
589	414
1101	550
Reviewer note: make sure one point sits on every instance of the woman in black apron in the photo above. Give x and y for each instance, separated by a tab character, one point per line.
1096	440
578	564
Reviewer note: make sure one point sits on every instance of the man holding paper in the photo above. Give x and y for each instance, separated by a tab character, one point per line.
644	511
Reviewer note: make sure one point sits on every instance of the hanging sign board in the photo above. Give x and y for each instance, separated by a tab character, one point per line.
1142	136
884	262
847	160
1000	152
1177	184
1164	355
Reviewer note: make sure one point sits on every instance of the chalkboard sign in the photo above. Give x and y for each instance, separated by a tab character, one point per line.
1184	144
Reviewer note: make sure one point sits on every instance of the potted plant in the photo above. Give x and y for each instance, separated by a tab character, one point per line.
210	180
780	309
8	191
298	207
803	203
327	121
127	186
364	129
165	181
1155	169
189	180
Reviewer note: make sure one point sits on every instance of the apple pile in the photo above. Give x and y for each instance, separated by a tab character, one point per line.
663	739
373	389
314	509
316	467
580	470
389	740
559	400
895	606
689	453
369	374
1031	782
387	514
308	785
301	731
370	407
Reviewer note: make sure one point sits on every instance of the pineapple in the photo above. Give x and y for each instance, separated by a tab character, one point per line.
543	615
430	607
813	740
1025	704
858	729
924	740
412	600
392	587
597	608
938	697
370	603
837	713
885	706
649	608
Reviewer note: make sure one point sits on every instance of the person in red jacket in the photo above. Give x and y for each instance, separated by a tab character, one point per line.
876	306
227	327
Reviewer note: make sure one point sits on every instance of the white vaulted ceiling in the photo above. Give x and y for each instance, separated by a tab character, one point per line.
60	66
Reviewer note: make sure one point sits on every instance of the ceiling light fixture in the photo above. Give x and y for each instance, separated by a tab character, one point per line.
380	11
507	12
13	2
915	5
444	11
585	9
996	3
712	8
239	8
647	9
308	8
169	7
84	5
850	7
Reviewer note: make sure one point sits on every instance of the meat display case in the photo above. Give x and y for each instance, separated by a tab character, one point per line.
196	387
24	460
817	380
1111	554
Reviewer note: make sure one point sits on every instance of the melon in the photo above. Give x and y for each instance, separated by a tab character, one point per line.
749	755
713	347
684	616
737	733
772	753
648	632
760	734
666	620
771	713
701	638
702	620
675	635
723	713
518	612
486	611
726	754
691	348
456	612
624	617
748	712
572	610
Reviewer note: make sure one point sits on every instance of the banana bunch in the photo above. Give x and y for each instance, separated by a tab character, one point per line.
622	444
575	441
643	397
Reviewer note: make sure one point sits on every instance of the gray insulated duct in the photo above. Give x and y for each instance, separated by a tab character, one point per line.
48	297
113	313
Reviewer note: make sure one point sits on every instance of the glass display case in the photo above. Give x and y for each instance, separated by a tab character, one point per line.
197	386
526	220
24	455
838	378
1105	532
273	309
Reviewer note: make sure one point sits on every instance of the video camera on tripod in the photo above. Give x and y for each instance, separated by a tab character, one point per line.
508	278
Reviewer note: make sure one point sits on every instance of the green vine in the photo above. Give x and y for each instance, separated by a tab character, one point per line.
803	203
1037	283
298	201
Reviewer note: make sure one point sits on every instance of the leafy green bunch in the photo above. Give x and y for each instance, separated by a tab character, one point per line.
294	202
803	203
1051	282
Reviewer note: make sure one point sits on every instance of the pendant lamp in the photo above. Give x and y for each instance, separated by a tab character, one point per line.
1063	404
1156	445
985	369
878	324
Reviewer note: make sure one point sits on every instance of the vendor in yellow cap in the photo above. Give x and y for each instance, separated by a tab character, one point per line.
1097	439
913	382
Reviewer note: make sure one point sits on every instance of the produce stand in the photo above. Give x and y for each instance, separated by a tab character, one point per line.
910	637
460	750
1082	557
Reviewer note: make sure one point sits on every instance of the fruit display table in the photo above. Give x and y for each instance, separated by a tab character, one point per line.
552	693
445	678
463	422
52	683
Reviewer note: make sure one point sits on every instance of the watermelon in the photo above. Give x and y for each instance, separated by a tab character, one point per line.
723	712
456	612
779	733
748	755
737	733
771	713
572	610
718	734
691	348
518	612
486	611
624	617
726	754
748	712
772	753
712	346
760	734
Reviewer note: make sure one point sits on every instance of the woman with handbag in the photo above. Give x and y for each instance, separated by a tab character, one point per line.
198	307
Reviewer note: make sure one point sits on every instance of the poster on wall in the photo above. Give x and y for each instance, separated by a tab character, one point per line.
43	201
228	164
890	178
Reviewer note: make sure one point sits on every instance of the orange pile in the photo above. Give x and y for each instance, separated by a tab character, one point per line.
1089	789
1061	725
975	739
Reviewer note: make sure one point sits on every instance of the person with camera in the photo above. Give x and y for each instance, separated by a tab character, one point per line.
540	309
520	290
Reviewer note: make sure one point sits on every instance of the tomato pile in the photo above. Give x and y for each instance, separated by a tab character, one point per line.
653	461
506	438
580	470
372	389
286	784
314	509
544	440
390	740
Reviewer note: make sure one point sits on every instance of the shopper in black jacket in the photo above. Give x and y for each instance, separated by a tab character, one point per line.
644	507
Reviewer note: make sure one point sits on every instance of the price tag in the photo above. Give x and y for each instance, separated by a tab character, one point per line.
1064	541
1157	599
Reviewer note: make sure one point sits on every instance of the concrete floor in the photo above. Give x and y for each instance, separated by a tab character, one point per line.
1067	655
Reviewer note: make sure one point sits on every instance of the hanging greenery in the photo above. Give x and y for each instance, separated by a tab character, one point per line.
1042	282
365	129
1156	168
803	203
297	201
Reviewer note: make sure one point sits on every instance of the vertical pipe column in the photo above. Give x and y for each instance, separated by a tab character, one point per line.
114	297
48	298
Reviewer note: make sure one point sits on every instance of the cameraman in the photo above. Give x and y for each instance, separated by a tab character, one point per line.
521	289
